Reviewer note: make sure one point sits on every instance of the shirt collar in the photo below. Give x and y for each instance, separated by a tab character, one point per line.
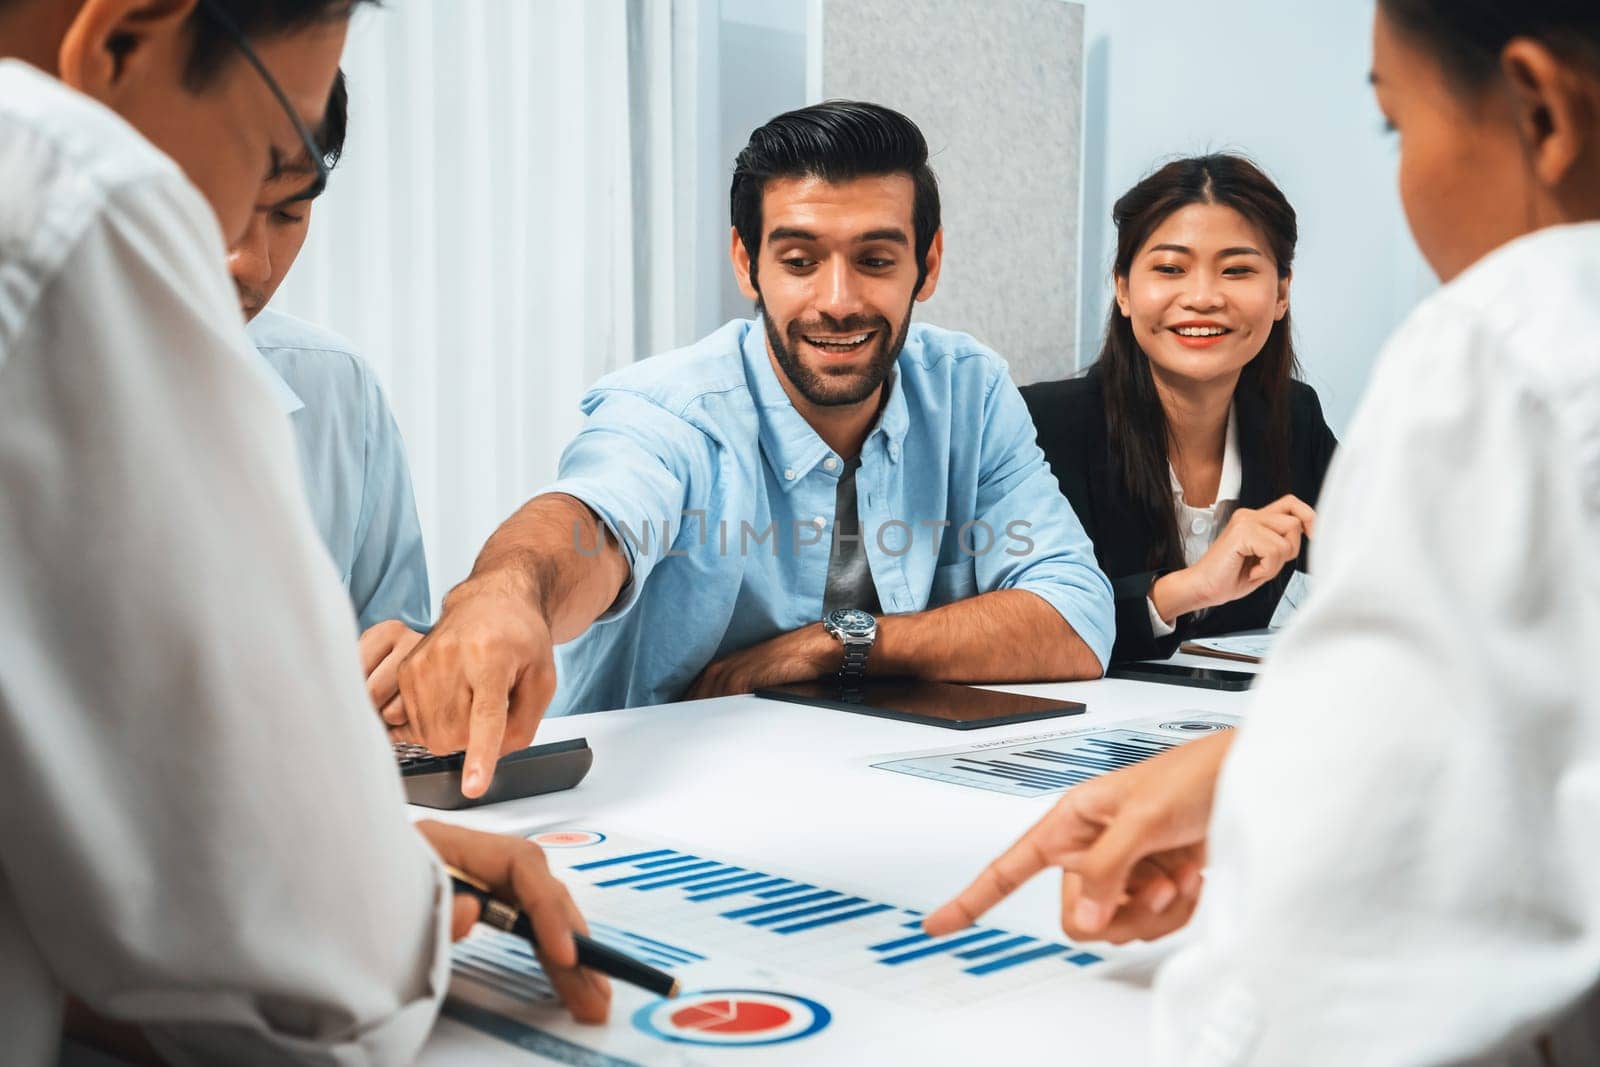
289	401
1232	471
792	447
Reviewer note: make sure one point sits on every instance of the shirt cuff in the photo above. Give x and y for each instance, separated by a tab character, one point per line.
630	535
1159	627
1089	614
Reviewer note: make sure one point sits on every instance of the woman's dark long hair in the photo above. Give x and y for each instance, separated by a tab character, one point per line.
1135	419
1467	36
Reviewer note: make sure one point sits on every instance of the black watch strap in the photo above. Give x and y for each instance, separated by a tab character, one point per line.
854	667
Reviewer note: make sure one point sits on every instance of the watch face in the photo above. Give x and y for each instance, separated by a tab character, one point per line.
852	622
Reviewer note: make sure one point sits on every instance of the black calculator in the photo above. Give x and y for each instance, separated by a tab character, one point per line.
435	781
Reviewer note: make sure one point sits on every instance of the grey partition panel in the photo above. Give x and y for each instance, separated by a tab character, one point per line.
996	85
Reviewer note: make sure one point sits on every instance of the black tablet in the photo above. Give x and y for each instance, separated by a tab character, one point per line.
954	707
1178	674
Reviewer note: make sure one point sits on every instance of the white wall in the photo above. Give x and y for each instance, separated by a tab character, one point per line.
762	73
996	89
1286	82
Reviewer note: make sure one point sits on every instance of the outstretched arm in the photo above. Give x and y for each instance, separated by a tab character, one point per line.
485	675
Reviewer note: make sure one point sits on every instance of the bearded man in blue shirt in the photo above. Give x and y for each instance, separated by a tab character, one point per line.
827	488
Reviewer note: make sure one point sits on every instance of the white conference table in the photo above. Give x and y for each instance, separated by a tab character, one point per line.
790	787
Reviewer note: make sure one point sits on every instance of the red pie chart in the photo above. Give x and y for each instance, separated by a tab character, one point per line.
724	1017
731	1016
568	838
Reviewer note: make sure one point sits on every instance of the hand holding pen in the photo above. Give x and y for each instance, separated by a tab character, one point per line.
515	869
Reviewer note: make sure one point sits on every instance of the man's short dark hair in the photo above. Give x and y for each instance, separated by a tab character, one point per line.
837	141
335	122
257	20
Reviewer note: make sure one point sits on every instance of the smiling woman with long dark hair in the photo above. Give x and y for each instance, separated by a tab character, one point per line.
1190	452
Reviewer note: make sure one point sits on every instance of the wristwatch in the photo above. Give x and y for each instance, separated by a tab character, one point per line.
856	631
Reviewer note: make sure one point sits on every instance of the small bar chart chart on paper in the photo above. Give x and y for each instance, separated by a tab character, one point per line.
1054	762
764	959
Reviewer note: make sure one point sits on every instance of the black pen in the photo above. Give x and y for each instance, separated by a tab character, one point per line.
591	953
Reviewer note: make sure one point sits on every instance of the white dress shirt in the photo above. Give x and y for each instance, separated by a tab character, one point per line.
1199	527
201	827
1405	863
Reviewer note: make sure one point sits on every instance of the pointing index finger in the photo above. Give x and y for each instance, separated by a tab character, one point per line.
485	732
999	880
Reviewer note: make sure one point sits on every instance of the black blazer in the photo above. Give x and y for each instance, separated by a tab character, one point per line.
1070	417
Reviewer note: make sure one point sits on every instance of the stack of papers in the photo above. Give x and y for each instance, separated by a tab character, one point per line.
1249	647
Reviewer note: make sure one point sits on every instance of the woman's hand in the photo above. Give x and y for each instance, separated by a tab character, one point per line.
1251	550
1130	845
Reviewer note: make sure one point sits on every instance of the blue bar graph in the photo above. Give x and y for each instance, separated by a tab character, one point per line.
1005	962
890	946
647	948
669	861
938	947
778	912
719	879
649	875
679	878
1040	786
990	950
742	913
837	917
1046	779
815	909
502	962
615	860
1039	766
746	887
641	939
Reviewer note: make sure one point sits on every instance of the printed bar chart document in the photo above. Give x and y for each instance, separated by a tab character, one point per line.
801	970
1054	762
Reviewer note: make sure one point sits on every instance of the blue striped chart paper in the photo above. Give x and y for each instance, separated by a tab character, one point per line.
805	972
1047	763
682	910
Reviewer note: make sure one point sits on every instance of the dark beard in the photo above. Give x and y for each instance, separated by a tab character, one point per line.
826	390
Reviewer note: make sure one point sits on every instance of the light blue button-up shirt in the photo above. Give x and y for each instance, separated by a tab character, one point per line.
723	498
354	464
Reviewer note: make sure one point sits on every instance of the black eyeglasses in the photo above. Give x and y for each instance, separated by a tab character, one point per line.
319	180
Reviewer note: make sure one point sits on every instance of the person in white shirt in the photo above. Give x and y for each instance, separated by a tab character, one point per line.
203	833
1403	867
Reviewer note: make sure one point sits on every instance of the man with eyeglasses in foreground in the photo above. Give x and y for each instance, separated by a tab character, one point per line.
170	624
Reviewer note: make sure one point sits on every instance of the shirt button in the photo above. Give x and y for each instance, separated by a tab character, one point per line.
819	522
830	464
1199	526
894	451
789	474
